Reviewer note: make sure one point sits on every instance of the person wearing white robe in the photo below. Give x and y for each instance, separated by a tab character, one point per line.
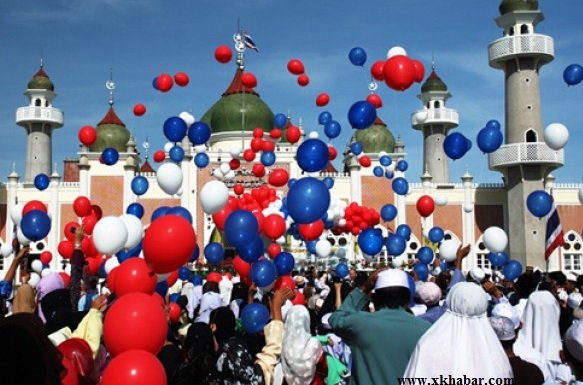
461	342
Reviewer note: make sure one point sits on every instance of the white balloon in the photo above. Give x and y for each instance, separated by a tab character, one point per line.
16	213
395	51
200	148
556	136
323	248
169	177
168	146
368	258
421	116
581	195
135	230
342	222
217	173
441	200
162	277
313	135
214	196
179	192
448	250
468	207
235	153
46	271
24	241
187	117
110	235
33	280
398	261
230	175
225	168
111	264
6	250
341	252
495	239
36	266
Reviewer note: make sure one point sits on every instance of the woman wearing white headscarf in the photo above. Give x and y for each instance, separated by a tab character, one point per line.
300	351
462	341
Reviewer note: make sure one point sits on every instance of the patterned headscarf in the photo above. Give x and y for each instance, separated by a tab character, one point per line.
236	365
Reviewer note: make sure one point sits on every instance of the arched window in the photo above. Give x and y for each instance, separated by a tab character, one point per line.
428	105
46	103
531	136
511	31
437	104
37	102
524	29
572	252
413	246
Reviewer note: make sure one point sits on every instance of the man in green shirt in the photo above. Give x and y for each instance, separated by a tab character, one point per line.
382	341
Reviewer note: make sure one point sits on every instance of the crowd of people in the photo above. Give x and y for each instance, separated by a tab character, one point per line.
368	328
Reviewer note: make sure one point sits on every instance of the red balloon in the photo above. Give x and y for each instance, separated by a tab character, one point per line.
419	71
46	257
172	278
221	216
79	354
284	281
260	220
134	275
257	132
223	54
34	205
274	226
71	376
94	264
256	144
69	230
322	100
96	211
377	70
241	267
303	80
425	205
134	367
273	249
278	177
139	109
293	134
111	279
311	231
89	223
87	135
249	155
295	66
364	161
332	153
268	146
299	298
228	275
169	243
65	249
399	72
66	278
234	164
134	321
159	156
375	100
174	312
214	277
88	247
82	206
181	79
239	189
249	80
275	133
164	82
258	170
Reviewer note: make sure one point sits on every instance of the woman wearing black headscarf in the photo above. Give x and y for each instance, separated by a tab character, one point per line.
222	323
199	366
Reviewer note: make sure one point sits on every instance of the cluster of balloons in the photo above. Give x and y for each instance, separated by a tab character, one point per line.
296	67
357	218
164	82
490	138
398	71
387	167
573	74
456	145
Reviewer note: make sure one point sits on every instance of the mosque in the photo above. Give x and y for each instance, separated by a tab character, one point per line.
465	208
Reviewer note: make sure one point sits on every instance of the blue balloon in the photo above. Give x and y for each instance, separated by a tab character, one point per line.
201	160
162	288
498	259
357	56
455	145
404	231
362	114
291	182
41	181
402	165
312	155
388	212
389	174
35	225
370	241
284	263
539	203
155	83
342	270
489	139
311	246
400	186
263	273
378	171
573	74
329	182
494	124
241	227
396	244
181	212
385	160
195	254
422	271
436	234
468	145
184	273
160	212
196	280
173	297
325	117
176	153
140	185
512	270
332	129
356	148
199	133
136	210
425	255
254	317
214	253
307	200
252	251
175	129
268	158
133	253
110	156
280	120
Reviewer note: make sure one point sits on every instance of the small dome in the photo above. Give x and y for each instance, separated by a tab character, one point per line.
508	6
227	113
375	138
40	81
433	83
111	132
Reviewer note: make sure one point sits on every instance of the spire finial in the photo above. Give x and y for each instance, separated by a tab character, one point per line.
432	61
146	146
41	59
110	85
238	38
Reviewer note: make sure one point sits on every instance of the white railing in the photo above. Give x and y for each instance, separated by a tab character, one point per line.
436	115
338	174
40	114
518	45
519	153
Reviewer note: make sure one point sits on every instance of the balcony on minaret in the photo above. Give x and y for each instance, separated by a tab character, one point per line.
442	116
516	154
32	114
533	45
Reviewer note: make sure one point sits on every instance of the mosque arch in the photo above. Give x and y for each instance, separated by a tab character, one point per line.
530	136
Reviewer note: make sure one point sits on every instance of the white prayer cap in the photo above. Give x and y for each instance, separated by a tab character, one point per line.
503	327
236	279
392	278
326	321
574	300
429	293
477	274
571	277
504	309
574	340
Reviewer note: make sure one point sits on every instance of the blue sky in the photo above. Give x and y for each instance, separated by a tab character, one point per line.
140	39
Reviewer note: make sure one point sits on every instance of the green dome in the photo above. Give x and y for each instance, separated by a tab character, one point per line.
40	81
111	132
433	83
375	138
227	113
508	6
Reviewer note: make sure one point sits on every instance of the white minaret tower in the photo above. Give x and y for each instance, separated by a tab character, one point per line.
524	158
39	119
435	120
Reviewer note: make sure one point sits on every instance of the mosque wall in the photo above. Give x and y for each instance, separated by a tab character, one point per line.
376	192
486	216
152	204
449	217
107	193
67	215
571	217
70	170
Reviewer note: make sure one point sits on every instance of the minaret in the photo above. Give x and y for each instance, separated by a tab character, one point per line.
39	119
435	120
524	158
